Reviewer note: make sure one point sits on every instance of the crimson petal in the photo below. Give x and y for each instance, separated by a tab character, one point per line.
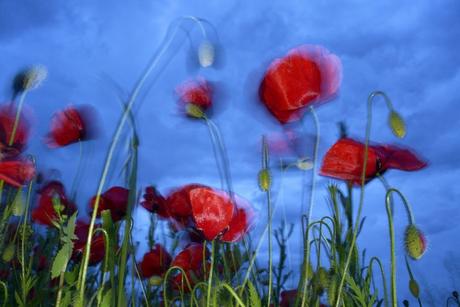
212	211
155	262
114	199
197	92
17	172
240	223
403	159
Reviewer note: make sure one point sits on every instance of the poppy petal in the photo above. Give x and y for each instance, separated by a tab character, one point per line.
240	223
212	211
17	172
155	262
402	159
197	92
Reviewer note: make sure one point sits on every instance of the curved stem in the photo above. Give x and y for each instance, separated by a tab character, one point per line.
154	62
370	99
392	237
232	292
306	260
5	292
385	290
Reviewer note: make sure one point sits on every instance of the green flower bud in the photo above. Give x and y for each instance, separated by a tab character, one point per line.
414	288
8	253
397	124
194	111
265	180
206	53
415	242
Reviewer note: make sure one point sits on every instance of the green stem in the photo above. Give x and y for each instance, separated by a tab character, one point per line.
302	281
270	256
370	99
16	120
59	294
385	290
392	237
5	293
211	270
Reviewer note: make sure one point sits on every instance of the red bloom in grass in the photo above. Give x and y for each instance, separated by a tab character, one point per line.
97	244
240	223
306	75
21	135
288	298
191	261
344	160
114	199
212	211
17	172
197	92
155	263
71	125
44	213
179	207
155	202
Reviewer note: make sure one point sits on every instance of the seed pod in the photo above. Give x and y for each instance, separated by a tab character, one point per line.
414	288
397	124
194	111
8	253
265	180
206	53
415	242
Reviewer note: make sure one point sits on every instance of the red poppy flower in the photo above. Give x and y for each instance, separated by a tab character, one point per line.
344	160
44	213
21	136
71	125
240	223
155	262
191	261
197	92
306	75
212	211
97	244
17	172
114	199
155	202
179	207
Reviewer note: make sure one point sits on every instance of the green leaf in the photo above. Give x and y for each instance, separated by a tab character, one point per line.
69	230
254	298
61	260
107	299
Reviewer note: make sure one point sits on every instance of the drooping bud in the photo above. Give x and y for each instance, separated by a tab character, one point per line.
265	180
455	294
304	164
406	303
398	127
29	79
155	281
206	53
18	205
194	111
414	288
415	242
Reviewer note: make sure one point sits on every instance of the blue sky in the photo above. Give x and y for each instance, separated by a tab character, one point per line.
411	51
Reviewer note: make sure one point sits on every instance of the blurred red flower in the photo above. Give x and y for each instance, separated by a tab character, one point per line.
344	160
44	212
71	125
197	92
155	262
306	75
155	202
242	220
97	244
191	261
288	298
114	199
21	135
17	172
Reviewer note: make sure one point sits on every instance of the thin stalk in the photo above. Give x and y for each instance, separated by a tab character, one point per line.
61	285
16	120
153	64
211	270
5	293
392	237
370	99
302	281
385	290
270	256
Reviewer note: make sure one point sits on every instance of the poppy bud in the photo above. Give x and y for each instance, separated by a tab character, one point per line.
18	205
8	253
304	164
265	179
194	111
206	53
321	280
455	294
398	127
155	281
414	288
415	242
406	303
29	79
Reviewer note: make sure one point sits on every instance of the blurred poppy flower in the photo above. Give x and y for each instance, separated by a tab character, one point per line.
155	202
97	244
115	200
212	211
242	220
306	75
155	263
21	135
71	125
195	93
45	212
179	207
344	160
17	172
191	261
288	298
